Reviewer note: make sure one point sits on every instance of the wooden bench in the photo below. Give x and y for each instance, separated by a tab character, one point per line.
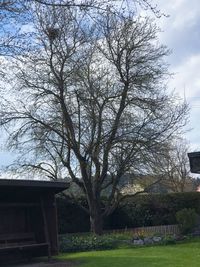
20	241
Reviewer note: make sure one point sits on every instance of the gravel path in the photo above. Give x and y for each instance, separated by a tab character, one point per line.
53	263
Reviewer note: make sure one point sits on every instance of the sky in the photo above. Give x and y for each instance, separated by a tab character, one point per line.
181	33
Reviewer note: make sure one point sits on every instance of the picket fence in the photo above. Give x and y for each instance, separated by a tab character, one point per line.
161	229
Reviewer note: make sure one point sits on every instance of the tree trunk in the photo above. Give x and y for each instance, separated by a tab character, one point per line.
96	224
96	218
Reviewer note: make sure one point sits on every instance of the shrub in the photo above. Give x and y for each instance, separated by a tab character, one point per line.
169	240
87	242
153	209
187	219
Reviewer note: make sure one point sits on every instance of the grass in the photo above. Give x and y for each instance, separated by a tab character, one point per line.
179	255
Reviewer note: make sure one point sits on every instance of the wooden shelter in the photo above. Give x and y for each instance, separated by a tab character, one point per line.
194	159
28	219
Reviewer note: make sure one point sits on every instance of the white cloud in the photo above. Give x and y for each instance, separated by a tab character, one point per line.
181	29
181	33
183	13
186	82
186	77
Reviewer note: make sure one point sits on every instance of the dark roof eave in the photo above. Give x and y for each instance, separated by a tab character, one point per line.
55	186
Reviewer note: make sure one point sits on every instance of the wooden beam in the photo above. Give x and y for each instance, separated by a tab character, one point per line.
13	205
46	231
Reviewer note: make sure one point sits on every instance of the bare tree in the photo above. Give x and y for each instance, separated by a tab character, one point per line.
177	168
172	166
89	101
97	4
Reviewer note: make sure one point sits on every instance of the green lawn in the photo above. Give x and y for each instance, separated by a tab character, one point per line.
180	255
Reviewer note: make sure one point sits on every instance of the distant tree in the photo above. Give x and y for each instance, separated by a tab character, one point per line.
89	100
173	166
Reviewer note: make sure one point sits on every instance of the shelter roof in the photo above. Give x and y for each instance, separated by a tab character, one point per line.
10	186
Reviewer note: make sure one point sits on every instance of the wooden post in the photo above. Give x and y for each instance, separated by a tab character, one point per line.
46	231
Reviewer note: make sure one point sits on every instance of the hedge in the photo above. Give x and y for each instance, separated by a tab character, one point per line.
155	209
71	218
141	210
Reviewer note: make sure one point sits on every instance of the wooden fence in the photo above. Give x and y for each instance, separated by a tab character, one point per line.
161	229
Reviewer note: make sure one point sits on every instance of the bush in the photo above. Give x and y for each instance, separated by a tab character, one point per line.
153	209
187	219
169	240
88	242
